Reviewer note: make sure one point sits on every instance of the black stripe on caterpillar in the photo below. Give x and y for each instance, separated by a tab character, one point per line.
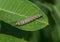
29	19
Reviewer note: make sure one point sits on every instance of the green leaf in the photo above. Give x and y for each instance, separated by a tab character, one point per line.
58	4
57	18
17	10
8	38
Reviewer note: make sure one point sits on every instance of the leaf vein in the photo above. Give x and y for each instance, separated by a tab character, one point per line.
21	15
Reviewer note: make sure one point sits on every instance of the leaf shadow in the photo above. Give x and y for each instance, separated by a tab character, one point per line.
13	31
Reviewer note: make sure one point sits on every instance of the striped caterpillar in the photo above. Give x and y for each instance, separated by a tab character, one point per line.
29	19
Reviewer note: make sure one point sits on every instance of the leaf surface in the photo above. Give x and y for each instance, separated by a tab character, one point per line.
17	10
8	38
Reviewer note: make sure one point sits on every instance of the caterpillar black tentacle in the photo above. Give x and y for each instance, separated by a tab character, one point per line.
27	20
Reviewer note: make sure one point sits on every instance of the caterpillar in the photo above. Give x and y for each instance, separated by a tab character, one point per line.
29	19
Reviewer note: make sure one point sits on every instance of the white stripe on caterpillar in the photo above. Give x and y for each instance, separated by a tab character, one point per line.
27	20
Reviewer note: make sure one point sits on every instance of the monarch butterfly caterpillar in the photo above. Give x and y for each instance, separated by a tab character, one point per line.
27	20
